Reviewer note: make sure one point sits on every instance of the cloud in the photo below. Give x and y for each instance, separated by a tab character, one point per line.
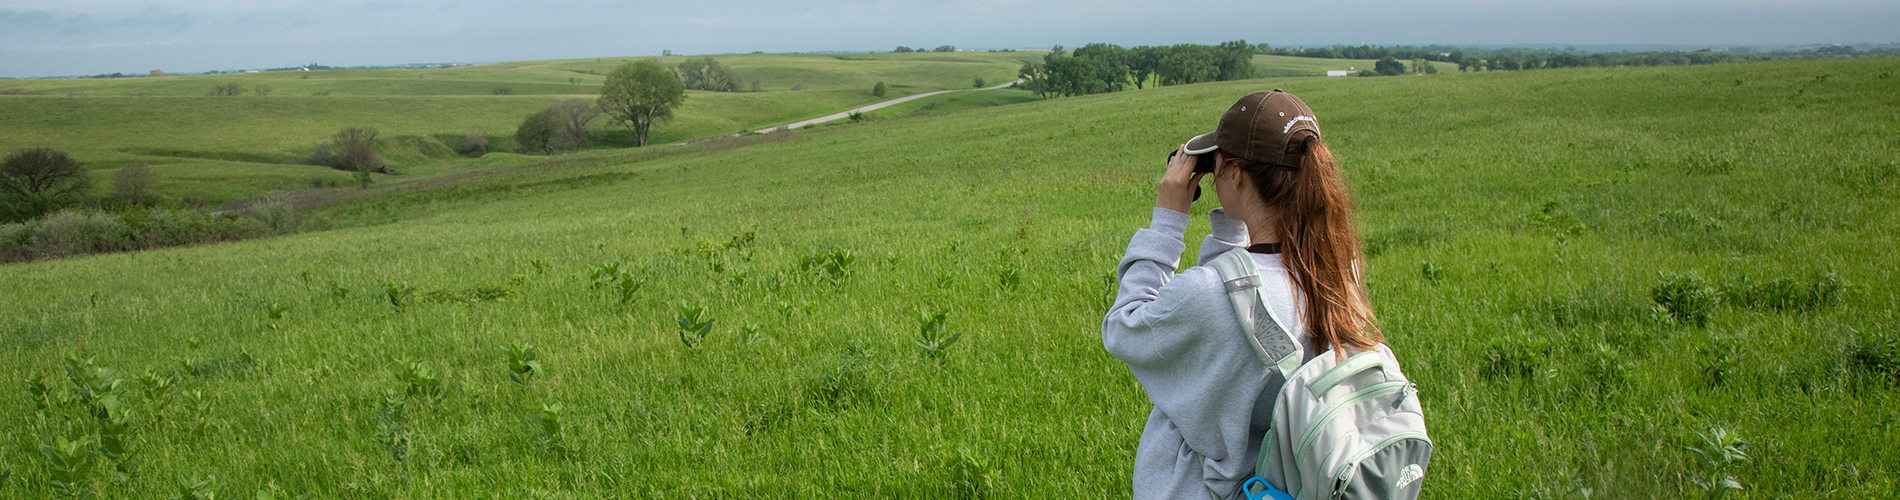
101	36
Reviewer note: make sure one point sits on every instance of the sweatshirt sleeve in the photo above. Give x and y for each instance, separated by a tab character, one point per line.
1148	266
1227	234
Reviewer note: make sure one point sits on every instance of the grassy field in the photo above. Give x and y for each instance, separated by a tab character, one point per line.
1516	222
218	148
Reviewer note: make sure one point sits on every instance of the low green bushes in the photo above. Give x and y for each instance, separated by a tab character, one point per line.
70	233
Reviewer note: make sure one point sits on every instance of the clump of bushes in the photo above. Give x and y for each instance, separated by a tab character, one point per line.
70	233
474	145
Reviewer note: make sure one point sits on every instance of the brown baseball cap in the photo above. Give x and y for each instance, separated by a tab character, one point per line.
1258	127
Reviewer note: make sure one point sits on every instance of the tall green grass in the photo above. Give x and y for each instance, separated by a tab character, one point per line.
1521	223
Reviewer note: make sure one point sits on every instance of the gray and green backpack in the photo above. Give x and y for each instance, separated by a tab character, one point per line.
1341	429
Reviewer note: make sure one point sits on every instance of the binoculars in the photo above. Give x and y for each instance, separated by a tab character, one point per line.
1203	164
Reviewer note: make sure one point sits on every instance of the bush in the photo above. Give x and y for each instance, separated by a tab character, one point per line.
133	184
501	91
474	145
227	90
74	232
979	83
878	90
13	241
539	132
276	212
262	90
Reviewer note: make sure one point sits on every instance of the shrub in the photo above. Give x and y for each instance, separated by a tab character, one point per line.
539	132
227	90
979	83
13	241
133	184
276	212
878	90
74	232
1683	298
501	91
474	145
262	90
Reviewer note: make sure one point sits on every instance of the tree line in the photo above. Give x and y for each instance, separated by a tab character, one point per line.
1104	67
1516	59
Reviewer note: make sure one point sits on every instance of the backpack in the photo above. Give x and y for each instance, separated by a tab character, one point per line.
1341	429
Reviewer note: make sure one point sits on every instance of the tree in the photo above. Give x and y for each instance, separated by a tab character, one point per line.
1035	78
1389	67
1109	64
40	180
1187	63
902	49
878	90
979	82
705	73
639	94
540	132
133	183
1143	62
574	115
227	89
1234	61
944	48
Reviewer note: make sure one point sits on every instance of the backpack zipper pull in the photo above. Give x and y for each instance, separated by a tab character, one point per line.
1406	393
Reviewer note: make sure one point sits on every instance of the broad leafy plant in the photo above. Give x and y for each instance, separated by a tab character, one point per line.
523	363
934	337
1722	451
694	323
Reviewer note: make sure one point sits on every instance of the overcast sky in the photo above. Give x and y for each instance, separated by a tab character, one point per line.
77	37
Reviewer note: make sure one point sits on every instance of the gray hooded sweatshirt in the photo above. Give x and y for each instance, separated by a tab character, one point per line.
1213	398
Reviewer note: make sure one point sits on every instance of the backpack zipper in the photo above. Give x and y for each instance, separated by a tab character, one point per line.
1313	429
1341	480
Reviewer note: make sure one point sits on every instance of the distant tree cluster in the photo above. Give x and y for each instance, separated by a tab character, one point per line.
705	73
940	48
1516	59
1100	67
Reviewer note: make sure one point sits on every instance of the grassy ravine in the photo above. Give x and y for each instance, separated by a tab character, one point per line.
1519	221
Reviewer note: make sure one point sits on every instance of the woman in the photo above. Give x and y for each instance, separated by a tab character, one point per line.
1283	199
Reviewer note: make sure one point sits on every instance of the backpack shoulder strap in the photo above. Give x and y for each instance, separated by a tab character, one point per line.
1276	347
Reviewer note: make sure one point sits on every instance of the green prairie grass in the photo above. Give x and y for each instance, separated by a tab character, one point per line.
220	148
1545	205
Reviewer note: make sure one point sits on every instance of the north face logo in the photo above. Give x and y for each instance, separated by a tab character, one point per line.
1409	474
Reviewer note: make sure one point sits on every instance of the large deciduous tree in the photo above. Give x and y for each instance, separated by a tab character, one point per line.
40	180
639	94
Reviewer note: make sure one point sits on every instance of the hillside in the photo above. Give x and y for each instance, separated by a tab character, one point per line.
217	148
1517	224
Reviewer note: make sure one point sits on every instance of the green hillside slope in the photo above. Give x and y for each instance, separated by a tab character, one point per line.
1516	225
218	148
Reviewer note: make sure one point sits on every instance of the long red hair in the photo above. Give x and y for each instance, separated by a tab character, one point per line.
1312	209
